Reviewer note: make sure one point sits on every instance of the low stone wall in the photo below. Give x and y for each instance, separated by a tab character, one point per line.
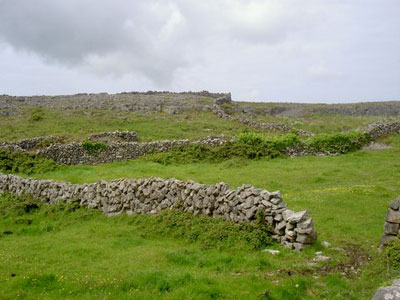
126	136
32	143
219	111
392	222
75	153
151	195
379	129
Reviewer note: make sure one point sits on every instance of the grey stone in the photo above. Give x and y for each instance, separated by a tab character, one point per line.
393	216
395	204
298	217
386	238
387	293
391	228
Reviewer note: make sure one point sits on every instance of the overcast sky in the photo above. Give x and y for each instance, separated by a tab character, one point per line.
260	50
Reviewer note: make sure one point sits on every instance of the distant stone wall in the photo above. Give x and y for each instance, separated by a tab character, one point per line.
125	136
221	113
392	222
167	102
150	196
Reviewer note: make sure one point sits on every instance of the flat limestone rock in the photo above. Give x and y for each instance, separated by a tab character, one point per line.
387	293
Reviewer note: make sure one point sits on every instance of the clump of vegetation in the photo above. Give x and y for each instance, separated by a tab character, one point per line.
36	115
209	232
19	162
338	143
94	148
253	145
392	254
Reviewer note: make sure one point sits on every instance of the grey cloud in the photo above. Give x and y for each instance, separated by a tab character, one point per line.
270	49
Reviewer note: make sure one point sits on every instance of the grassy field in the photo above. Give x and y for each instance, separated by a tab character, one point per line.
80	124
56	252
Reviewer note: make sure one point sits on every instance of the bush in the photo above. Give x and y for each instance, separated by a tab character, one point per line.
252	145
19	162
338	143
94	148
36	115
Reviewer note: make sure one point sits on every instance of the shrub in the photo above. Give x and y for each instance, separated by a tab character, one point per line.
338	143
36	115
19	162
94	148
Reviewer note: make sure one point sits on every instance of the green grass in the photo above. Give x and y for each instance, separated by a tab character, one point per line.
77	124
362	183
60	252
57	252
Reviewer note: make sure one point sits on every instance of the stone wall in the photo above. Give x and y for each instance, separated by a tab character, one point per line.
32	143
114	136
293	229
167	102
379	129
75	153
221	113
392	222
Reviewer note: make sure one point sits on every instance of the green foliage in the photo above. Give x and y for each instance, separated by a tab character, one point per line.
19	162
249	145
392	254
209	232
36	115
94	148
338	143
253	145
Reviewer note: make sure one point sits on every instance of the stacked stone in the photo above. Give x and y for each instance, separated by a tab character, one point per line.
75	153
376	130
152	195
30	144
127	136
392	222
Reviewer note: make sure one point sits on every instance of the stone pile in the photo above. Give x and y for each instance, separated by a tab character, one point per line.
392	222
151	195
123	136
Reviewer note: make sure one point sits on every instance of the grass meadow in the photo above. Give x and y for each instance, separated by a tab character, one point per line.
59	252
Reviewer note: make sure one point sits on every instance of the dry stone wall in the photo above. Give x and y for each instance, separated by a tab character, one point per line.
126	136
221	113
75	153
167	102
392	222
379	129
151	195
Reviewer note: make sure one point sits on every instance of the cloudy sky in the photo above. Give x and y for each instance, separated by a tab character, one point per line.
260	50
